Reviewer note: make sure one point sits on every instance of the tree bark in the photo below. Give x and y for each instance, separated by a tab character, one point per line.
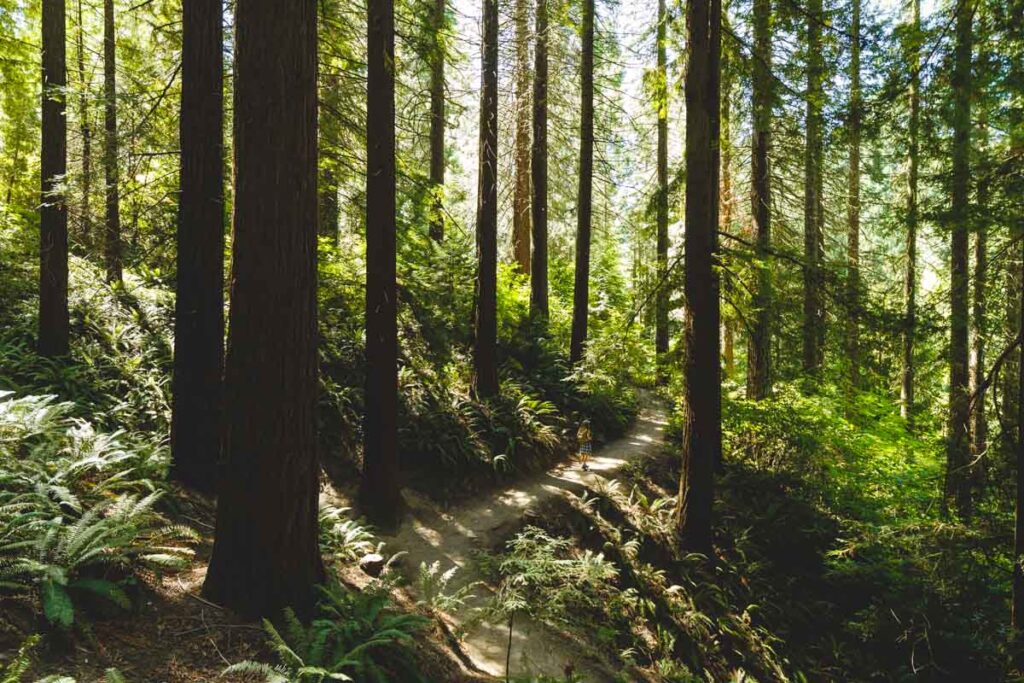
1017	614
437	123
910	281
581	288
539	167
957	480
759	382
814	313
853	282
702	441
199	304
85	131
663	295
380	486
53	213
266	556
112	226
485	356
979	323
521	191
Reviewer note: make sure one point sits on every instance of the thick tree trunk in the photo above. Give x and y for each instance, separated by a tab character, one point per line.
266	556
664	293
957	451
853	284
910	281
199	304
979	323
725	200
112	225
581	288
759	348
814	313
702	441
53	212
380	485
521	191
85	131
539	167
437	123
485	356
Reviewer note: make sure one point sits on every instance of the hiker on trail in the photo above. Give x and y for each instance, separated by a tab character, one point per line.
584	439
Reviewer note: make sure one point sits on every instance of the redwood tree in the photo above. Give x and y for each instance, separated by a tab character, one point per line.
53	213
661	101
380	489
702	441
581	288
814	311
910	279
539	167
199	304
112	225
759	383
485	343
521	189
853	204
437	122
957	482
266	555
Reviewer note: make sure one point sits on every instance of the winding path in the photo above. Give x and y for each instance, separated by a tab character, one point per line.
451	537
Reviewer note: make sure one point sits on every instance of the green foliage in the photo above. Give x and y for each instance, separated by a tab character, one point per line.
77	509
342	538
436	590
356	636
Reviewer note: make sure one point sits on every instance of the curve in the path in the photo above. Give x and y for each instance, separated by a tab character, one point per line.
451	537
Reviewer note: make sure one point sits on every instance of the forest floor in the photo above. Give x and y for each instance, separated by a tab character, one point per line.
457	536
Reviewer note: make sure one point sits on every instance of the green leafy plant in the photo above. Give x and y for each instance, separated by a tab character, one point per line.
356	636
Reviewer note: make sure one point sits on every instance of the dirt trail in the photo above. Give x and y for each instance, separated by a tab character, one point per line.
430	534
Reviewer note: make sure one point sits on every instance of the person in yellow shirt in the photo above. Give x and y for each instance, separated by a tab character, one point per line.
585	440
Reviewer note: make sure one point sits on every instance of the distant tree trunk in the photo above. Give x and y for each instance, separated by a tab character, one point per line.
112	230
85	131
1008	377
266	556
853	208
814	314
910	282
725	200
702	441
521	193
437	123
663	294
539	167
1017	616
759	347
328	203
581	288
380	486
199	303
485	356
53	212
957	452
979	315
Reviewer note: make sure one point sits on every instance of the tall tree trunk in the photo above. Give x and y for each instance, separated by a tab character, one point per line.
521	191
910	282
85	131
1008	377
759	347
266	556
437	122
725	200
957	481
199	304
853	209
663	294
380	486
702	441
112	229
485	356
1017	615
814	314
53	212
979	315
584	207
539	167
